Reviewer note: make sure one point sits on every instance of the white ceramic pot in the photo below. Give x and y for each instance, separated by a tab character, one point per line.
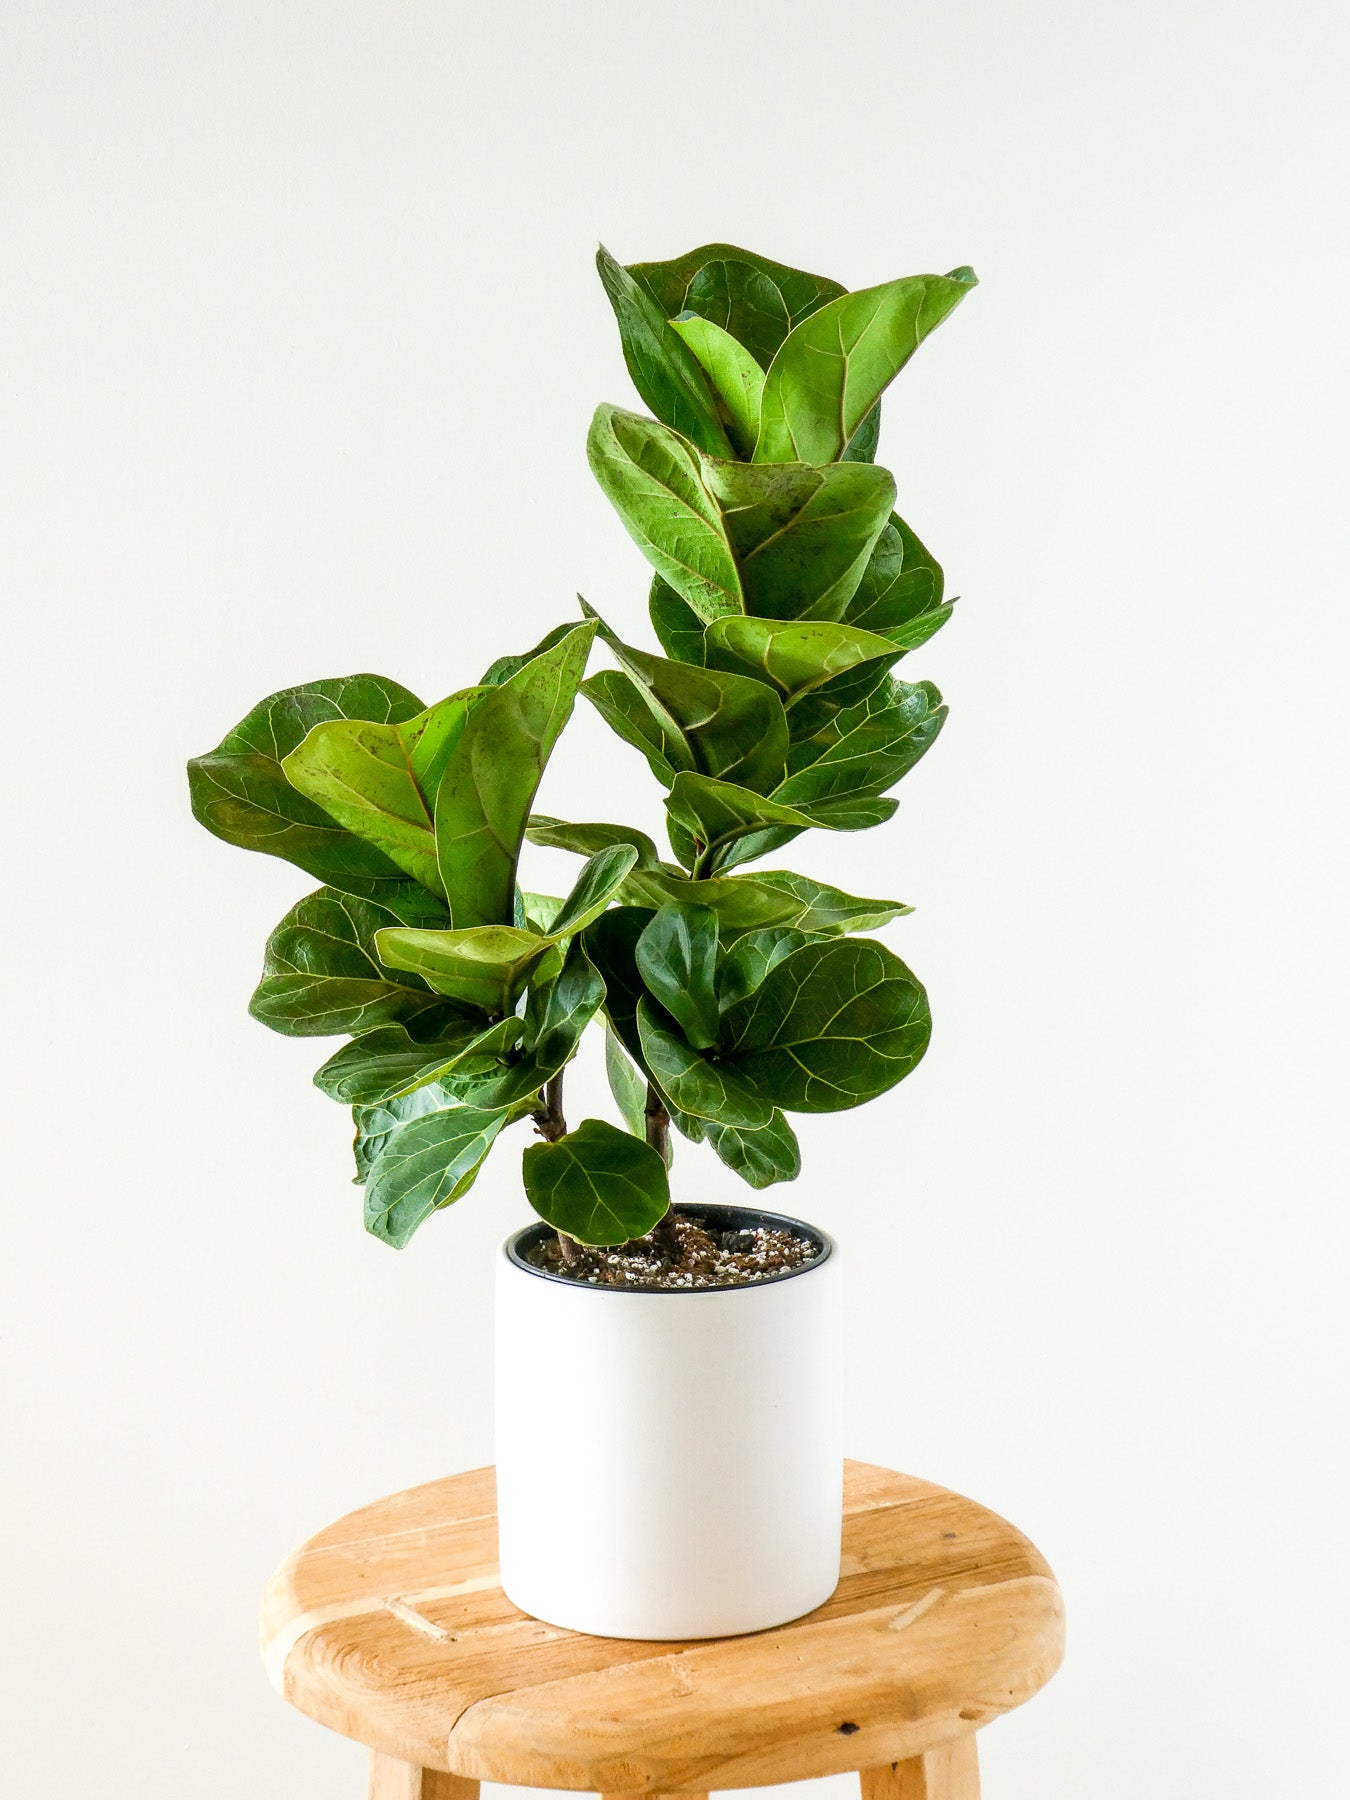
669	1464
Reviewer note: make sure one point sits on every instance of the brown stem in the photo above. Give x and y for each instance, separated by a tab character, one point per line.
551	1125
657	1121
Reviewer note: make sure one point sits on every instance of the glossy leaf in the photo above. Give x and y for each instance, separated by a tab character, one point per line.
485	966
678	628
801	536
768	898
380	781
831	1026
486	792
626	1084
718	814
598	1184
375	1124
556	1014
866	748
762	1157
832	369
754	298
587	840
506	666
695	1083
654	481
425	1165
677	959
900	594
611	943
665	369
321	972
597	884
736	379
795	656
633	713
241	795
748	960
391	1061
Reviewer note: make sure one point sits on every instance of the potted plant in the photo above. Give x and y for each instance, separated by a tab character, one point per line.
698	1492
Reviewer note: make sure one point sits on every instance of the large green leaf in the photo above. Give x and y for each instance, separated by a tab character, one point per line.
695	1083
832	369
598	1184
734	724
485	966
678	628
586	840
718	816
736	379
677	959
240	793
611	942
506	666
556	1014
757	300
486	791
375	1124
796	656
634	713
748	960
758	1157
425	1165
900	594
322	975
626	1084
768	898
866	748
597	884
391	1061
380	781
801	536
653	478
831	1026
666	371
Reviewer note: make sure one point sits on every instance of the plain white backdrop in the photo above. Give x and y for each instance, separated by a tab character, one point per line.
301	339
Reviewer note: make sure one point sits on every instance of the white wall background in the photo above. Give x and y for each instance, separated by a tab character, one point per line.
301	338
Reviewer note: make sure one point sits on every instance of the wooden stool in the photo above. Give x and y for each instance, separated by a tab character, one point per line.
390	1628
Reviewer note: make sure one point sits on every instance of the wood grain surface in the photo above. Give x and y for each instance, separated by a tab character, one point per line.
390	1628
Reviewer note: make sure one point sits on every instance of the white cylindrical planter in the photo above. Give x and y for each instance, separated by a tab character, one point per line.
669	1464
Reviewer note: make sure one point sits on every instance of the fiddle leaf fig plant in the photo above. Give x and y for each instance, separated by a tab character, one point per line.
785	589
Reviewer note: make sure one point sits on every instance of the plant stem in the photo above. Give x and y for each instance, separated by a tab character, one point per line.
551	1125
657	1121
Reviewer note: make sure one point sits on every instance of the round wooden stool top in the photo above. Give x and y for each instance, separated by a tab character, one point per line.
390	1628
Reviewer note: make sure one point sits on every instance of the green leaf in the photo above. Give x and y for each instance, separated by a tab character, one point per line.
665	370
678	628
717	815
484	966
586	840
375	1124
677	959
757	300
695	1084
321	971
758	1157
735	725
862	446
598	1184
391	1061
748	960
653	479
795	656
425	1165
733	374
611	942
633	713
485	794
832	369
507	666
768	898
831	1026
866	748
241	795
626	1084
801	536
556	1014
597	884
380	781
900	594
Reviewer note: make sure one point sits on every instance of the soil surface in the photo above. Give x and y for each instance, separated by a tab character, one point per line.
708	1257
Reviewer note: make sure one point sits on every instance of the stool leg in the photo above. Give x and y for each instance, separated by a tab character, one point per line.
951	1772
391	1779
